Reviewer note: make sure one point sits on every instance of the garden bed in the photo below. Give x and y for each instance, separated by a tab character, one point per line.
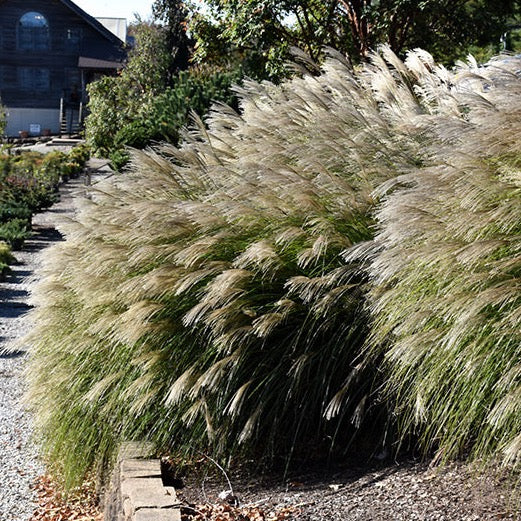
29	184
370	490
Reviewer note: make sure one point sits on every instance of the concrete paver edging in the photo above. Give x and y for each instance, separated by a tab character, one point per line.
136	491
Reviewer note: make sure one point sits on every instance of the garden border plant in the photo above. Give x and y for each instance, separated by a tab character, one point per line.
208	306
218	296
446	273
28	184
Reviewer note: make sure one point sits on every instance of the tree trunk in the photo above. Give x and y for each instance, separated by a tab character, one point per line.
360	25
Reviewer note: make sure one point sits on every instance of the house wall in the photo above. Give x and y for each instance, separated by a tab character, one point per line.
21	119
38	79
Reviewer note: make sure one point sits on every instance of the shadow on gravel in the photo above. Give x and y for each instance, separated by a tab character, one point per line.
19	273
58	210
7	355
13	309
15	293
16	277
13	301
43	234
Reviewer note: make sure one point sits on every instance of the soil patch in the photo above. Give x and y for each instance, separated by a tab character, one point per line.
407	491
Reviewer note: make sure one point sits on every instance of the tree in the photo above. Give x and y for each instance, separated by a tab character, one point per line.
172	15
115	102
267	28
262	31
148	62
146	103
446	28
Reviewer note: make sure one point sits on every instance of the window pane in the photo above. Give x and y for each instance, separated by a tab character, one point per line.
33	19
33	32
33	79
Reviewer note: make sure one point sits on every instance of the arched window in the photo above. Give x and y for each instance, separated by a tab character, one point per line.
33	32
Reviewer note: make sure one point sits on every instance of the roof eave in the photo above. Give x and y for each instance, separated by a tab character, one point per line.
93	22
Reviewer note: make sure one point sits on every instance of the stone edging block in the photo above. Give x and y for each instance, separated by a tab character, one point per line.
137	492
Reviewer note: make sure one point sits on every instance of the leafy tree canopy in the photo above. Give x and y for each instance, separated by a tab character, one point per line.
264	30
172	14
151	99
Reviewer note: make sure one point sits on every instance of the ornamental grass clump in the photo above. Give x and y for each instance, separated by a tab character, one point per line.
446	297
200	301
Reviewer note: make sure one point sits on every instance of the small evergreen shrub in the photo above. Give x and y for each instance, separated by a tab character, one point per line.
14	232
80	154
10	211
6	258
114	122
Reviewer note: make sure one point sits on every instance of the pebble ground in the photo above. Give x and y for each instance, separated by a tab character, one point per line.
19	461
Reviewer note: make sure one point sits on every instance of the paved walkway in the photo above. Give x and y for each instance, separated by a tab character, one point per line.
19	464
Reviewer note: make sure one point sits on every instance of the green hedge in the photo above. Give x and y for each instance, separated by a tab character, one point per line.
28	184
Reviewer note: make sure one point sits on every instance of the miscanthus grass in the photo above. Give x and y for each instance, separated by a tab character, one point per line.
446	297
201	300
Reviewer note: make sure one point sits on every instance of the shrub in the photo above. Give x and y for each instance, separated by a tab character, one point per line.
169	111
6	258
26	181
116	102
29	183
52	168
31	179
139	107
105	115
9	211
14	233
79	154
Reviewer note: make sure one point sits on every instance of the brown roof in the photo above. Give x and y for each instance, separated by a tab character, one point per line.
94	63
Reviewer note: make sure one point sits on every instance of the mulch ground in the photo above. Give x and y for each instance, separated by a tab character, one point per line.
54	505
407	491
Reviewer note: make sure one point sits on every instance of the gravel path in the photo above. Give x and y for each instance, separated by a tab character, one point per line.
19	463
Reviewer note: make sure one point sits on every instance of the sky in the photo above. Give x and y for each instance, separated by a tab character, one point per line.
116	8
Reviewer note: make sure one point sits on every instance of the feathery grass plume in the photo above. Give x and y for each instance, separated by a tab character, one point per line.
288	314
200	299
446	294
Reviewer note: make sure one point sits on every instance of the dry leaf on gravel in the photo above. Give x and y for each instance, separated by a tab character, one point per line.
223	512
53	505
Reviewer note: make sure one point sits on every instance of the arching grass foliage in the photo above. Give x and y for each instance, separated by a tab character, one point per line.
214	297
446	297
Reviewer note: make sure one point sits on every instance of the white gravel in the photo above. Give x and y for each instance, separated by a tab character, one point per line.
19	462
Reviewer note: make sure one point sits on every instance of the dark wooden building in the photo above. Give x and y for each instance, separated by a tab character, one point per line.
49	51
